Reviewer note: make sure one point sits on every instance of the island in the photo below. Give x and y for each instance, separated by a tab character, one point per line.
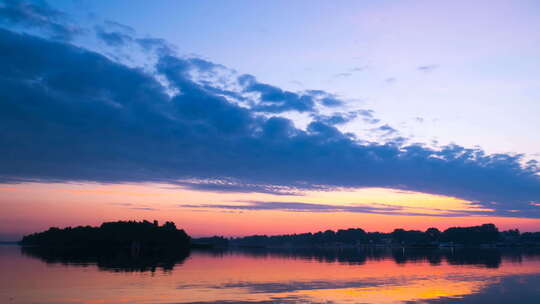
137	236
122	246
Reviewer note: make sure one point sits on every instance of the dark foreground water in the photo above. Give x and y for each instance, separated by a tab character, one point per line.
333	276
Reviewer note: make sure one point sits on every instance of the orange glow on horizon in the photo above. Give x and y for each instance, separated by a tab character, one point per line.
31	207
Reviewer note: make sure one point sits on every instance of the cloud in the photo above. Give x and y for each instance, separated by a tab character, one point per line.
119	27
325	98
341	75
359	69
367	116
336	118
270	300
272	99
144	208
133	207
112	38
350	72
297	83
373	208
70	114
385	130
231	185
428	68
37	15
157	45
340	118
122	204
294	207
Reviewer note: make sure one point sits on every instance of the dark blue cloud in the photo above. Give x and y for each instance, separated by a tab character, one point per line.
325	98
336	118
69	114
385	130
113	25
275	100
111	37
340	118
37	15
157	45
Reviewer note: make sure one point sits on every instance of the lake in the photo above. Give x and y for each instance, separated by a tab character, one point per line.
375	275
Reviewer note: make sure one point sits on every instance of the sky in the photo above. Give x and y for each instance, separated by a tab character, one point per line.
249	117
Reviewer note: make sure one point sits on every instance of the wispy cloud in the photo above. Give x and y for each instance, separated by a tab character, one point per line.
428	68
134	206
144	208
374	208
359	69
341	75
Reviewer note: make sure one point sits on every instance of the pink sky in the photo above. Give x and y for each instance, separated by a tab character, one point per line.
26	208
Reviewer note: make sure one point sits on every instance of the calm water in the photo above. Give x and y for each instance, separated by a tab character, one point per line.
346	276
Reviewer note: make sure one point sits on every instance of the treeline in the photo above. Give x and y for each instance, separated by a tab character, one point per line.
121	234
150	235
486	234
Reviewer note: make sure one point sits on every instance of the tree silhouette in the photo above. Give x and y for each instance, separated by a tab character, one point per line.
122	234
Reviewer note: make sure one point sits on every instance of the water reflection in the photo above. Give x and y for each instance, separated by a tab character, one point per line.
117	261
374	275
483	257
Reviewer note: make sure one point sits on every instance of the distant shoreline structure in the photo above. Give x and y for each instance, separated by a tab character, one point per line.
486	236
